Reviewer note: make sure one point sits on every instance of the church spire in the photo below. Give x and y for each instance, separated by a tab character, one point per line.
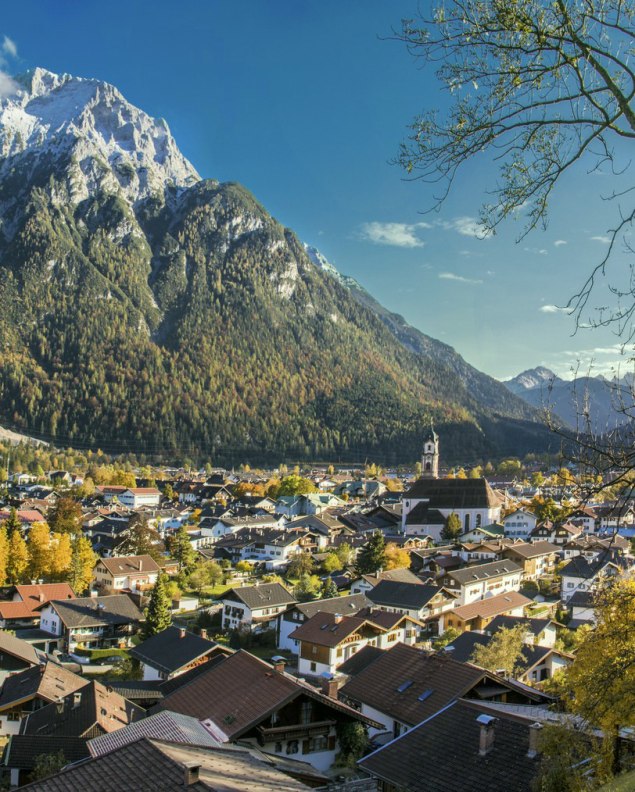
430	456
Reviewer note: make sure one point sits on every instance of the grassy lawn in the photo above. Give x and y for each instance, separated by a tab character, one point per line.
97	654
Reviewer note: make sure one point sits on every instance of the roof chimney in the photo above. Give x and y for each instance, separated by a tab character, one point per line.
534	733
337	618
203	633
329	685
486	734
77	699
181	632
192	770
140	564
278	662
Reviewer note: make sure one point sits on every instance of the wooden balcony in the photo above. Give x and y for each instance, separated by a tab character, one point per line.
293	731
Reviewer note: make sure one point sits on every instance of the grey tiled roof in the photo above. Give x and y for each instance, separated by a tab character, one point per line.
266	595
91	611
172	649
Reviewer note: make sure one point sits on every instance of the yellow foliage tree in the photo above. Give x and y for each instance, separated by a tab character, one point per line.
4	555
83	559
39	550
61	556
18	559
396	557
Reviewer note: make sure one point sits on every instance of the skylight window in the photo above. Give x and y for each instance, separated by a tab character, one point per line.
404	686
426	694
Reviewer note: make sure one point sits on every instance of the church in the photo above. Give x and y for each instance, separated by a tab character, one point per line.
431	500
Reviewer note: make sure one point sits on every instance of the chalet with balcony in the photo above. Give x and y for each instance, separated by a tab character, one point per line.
472	583
327	640
255	608
125	573
22	609
91	622
537	559
296	615
242	698
477	615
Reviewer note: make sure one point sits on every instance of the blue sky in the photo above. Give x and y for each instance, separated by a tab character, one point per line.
305	102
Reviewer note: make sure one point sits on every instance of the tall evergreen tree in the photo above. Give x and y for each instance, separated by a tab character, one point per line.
329	589
372	557
159	610
182	550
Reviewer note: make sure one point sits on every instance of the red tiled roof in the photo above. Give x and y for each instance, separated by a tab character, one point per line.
32	597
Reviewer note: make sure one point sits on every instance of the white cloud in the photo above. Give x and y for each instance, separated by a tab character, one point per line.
8	85
602	239
459	278
559	242
9	47
466	226
552	309
395	234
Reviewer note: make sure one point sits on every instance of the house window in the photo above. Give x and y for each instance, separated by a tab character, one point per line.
313	667
292	747
305	712
320	743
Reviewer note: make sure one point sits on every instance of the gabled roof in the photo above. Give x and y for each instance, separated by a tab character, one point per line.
92	706
33	596
164	725
360	660
16	647
534	626
172	649
129	565
410	685
446	747
239	692
404	595
581	567
532	549
48	682
348	605
486	571
23	750
266	595
399	575
90	611
491	606
454	493
160	765
324	629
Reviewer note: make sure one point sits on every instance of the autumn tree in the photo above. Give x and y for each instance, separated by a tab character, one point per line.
308	588
504	651
4	555
207	573
39	550
344	552
159	611
300	564
65	516
452	528
331	563
13	521
61	555
396	557
18	563
83	559
140	538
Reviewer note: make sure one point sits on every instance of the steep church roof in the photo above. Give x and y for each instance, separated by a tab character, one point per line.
454	493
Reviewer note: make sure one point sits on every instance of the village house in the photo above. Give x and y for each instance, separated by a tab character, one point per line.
295	615
327	640
215	529
519	524
173	652
556	533
242	698
580	575
477	615
297	505
537	559
22	609
28	690
255	608
91	622
365	583
424	602
484	533
125	573
475	582
17	655
404	686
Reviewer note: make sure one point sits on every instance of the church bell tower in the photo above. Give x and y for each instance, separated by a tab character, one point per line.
430	456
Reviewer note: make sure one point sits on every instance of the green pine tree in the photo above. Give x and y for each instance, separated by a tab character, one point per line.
159	610
372	557
329	589
182	550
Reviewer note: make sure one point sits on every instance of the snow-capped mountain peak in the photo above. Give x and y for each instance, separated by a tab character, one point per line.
112	144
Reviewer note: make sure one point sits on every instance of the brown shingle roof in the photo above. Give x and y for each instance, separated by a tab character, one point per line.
410	685
323	629
129	565
486	571
266	595
531	549
90	611
49	682
454	493
238	692
491	606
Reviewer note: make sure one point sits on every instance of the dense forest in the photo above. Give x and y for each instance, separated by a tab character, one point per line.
192	323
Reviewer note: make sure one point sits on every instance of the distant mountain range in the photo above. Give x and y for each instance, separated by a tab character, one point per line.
144	308
595	402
